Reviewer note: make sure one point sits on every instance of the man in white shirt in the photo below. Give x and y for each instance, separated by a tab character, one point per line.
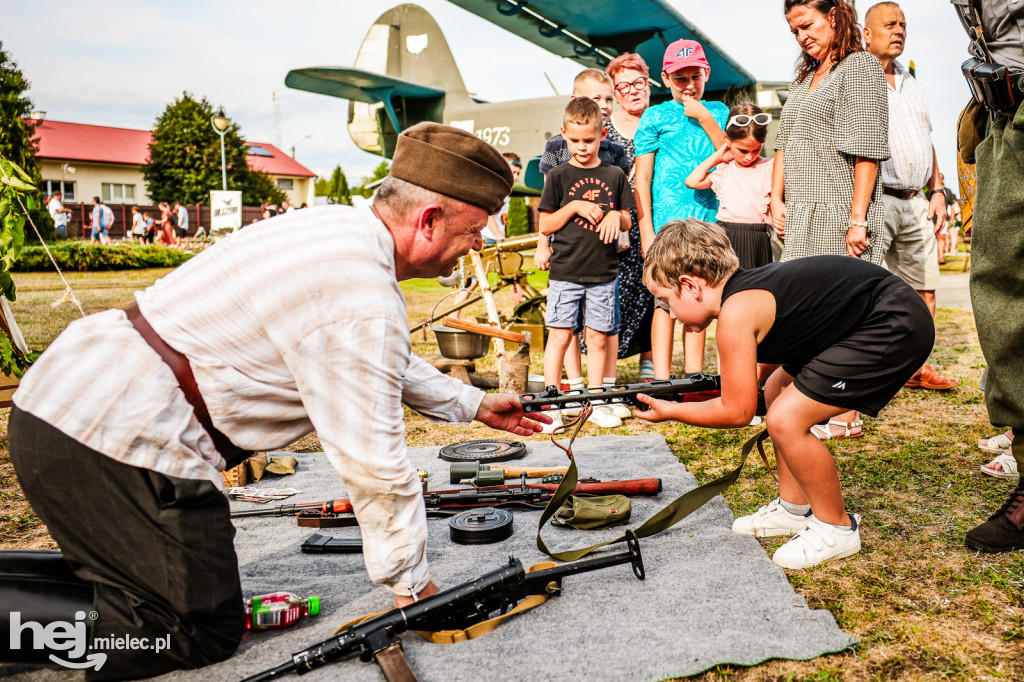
59	214
911	221
122	427
181	231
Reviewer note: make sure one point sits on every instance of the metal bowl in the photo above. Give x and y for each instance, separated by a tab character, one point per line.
456	344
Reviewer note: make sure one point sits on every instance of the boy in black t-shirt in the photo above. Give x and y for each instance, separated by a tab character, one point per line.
845	335
584	206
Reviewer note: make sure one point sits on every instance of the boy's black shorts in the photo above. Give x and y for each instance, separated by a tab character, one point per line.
866	369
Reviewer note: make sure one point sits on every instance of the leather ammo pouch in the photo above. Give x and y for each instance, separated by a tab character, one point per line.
232	454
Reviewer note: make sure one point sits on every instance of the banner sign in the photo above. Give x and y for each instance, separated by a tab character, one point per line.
225	210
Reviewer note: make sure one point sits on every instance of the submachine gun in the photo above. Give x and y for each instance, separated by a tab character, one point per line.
376	639
695	389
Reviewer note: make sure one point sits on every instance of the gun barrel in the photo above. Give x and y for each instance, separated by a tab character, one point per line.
329	507
272	674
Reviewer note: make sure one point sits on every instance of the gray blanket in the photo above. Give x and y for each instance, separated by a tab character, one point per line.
710	597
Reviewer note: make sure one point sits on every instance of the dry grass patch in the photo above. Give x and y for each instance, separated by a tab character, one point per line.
923	606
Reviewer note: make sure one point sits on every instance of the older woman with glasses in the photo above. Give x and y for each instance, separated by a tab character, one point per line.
826	189
630	75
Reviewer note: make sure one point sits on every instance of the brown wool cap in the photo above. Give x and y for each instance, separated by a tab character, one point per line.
454	163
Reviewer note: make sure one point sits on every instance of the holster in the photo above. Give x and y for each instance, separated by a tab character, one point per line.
39	587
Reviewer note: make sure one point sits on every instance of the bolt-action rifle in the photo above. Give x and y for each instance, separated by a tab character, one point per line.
443	502
454	609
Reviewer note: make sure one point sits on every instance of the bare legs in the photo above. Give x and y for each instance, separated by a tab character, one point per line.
807	472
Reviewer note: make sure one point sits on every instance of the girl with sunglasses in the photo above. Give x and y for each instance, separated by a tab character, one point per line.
742	181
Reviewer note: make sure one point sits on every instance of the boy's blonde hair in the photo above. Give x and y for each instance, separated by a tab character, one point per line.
690	247
582	111
592	75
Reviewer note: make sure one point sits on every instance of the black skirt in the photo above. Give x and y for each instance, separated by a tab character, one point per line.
751	242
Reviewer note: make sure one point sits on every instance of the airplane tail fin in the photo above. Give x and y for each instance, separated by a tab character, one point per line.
405	44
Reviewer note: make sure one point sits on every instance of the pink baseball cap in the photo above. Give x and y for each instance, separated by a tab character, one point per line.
683	53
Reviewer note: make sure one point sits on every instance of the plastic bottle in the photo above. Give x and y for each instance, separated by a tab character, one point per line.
278	610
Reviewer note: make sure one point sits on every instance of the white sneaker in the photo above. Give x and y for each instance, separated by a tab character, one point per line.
556	421
572	410
604	417
770	520
818	543
621	411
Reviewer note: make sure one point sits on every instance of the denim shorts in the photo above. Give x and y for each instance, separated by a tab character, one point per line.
566	298
614	331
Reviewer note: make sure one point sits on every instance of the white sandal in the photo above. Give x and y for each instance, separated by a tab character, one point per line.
1007	464
996	443
824	431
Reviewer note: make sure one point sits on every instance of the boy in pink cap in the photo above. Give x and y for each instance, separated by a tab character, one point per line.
671	140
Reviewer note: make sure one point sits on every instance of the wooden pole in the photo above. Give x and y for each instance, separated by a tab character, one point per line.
492	308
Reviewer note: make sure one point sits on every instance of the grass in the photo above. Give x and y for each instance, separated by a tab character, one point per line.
922	604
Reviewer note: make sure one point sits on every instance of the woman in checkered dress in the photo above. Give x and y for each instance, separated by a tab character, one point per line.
826	189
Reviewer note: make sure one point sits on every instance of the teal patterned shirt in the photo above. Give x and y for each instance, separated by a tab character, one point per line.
681	145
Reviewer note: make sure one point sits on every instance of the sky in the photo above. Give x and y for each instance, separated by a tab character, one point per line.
120	63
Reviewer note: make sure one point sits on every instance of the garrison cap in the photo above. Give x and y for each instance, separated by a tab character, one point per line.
454	163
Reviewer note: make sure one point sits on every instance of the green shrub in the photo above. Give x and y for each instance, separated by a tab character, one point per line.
518	223
73	255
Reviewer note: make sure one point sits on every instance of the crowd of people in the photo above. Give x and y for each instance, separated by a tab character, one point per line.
854	175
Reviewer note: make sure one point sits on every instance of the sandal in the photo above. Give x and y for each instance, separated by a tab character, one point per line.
997	443
824	431
1007	467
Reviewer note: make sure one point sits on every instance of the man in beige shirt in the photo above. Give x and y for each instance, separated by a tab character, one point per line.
246	346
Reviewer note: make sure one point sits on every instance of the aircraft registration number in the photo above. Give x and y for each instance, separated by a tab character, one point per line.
497	135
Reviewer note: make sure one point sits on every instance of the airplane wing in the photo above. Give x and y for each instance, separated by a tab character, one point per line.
592	33
356	84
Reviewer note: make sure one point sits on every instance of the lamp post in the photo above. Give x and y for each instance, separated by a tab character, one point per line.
220	124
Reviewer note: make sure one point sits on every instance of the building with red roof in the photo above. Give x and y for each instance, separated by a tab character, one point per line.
84	161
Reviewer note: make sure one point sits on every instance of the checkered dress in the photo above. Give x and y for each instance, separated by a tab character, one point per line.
820	135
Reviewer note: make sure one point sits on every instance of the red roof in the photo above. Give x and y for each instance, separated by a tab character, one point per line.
103	144
278	164
82	142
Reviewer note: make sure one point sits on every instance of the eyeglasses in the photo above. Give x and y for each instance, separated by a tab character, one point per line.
624	88
745	120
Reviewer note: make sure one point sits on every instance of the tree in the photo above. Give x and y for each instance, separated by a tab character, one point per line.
18	142
259	188
336	190
379	173
518	219
185	163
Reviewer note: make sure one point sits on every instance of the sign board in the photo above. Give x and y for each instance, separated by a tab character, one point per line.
225	210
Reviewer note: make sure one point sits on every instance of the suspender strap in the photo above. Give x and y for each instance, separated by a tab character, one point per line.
178	363
670	515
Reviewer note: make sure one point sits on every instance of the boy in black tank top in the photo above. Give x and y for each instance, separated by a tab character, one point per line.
845	335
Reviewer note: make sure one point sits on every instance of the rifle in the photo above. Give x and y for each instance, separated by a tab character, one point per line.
454	609
695	389
528	495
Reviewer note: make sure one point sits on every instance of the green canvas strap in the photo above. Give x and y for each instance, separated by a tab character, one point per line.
670	515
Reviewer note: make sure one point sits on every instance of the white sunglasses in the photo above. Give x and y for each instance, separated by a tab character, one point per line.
745	120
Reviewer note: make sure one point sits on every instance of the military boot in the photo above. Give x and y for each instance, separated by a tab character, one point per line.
1004	531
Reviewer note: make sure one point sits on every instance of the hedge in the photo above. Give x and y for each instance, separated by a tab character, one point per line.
73	255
